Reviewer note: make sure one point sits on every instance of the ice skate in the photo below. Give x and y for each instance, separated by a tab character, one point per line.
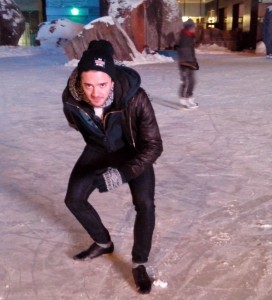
93	251
142	280
187	103
192	102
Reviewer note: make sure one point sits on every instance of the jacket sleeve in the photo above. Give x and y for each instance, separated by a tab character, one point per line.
67	113
145	132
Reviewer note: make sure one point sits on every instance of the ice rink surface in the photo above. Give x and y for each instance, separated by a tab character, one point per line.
213	236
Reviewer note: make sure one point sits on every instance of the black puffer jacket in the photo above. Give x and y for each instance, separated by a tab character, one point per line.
131	108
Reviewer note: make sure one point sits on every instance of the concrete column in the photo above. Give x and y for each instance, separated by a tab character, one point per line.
253	24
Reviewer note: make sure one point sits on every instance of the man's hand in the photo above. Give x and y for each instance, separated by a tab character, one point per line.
109	180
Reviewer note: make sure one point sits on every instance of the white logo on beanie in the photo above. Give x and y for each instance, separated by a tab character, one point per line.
99	62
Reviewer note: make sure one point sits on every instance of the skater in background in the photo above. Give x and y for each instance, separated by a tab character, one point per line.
267	31
106	104
187	64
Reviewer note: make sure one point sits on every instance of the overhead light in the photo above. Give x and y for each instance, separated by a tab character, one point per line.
75	11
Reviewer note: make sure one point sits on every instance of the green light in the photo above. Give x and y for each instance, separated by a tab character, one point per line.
75	11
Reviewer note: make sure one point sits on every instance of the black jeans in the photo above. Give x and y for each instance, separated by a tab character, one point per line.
187	77
82	184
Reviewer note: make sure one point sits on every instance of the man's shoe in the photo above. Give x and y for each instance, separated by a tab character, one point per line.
184	103
142	280
188	103
192	102
93	252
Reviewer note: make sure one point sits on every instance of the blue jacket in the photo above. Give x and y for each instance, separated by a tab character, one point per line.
267	29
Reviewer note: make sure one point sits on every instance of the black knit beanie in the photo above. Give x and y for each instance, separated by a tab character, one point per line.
98	57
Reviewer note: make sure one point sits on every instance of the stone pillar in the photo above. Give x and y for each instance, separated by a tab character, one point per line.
253	24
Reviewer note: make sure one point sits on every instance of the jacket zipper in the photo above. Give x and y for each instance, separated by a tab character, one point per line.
130	128
79	109
104	121
106	115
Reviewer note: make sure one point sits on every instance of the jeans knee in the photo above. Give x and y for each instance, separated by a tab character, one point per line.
70	202
145	207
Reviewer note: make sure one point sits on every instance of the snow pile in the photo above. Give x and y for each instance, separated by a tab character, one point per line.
212	49
117	6
174	9
122	5
215	49
140	59
149	59
56	33
10	13
12	23
107	20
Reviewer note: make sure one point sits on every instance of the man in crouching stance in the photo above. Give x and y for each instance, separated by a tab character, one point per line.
106	104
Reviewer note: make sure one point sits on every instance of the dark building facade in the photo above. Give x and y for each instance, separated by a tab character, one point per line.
80	11
243	16
38	11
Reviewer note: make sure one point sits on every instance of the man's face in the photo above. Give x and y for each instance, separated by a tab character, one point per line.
96	86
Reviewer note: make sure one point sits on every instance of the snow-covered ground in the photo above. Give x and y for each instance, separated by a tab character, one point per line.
213	236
